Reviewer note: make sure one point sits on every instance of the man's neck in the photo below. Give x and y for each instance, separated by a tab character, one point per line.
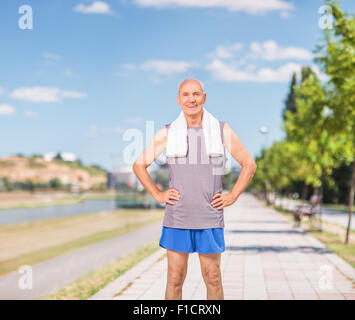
195	121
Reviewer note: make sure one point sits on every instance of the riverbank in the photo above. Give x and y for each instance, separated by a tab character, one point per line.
24	200
86	286
31	242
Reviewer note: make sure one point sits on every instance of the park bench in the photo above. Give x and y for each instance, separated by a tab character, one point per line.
307	210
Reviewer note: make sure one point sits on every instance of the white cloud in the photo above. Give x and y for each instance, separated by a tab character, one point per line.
37	94
73	94
44	94
31	114
227	72
6	109
245	66
285	14
248	6
52	56
166	67
98	7
226	52
270	50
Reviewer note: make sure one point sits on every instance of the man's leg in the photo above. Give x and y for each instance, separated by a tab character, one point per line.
177	269
210	268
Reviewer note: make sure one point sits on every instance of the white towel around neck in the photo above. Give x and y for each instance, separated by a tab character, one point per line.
176	145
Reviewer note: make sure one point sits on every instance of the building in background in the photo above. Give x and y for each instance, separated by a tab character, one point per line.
123	176
66	156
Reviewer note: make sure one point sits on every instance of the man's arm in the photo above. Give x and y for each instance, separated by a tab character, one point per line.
240	154
152	152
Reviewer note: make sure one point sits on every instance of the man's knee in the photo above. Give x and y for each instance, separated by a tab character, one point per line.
176	278
212	276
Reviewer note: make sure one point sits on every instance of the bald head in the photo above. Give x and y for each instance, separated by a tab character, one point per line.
189	80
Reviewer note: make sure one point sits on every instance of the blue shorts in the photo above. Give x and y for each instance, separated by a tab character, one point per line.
193	240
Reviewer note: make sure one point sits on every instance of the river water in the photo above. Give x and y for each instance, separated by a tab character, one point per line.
10	216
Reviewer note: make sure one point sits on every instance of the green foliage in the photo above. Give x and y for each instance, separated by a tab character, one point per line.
336	56
55	183
97	187
290	101
33	164
309	127
93	170
319	121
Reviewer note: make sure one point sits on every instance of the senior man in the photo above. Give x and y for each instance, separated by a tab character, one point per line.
194	217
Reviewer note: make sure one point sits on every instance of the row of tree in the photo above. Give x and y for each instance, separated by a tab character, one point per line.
318	121
29	185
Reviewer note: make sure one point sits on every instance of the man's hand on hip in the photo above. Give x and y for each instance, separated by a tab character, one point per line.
222	200
165	196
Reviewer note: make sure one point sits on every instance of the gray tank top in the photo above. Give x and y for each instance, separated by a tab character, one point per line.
197	177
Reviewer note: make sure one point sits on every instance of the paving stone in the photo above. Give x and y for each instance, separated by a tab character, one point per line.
272	260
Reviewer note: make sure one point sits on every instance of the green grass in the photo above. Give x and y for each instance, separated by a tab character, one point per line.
333	241
340	207
92	170
33	164
70	200
330	206
86	286
101	197
60	202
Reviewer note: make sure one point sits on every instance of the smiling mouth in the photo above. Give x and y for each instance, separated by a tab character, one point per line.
192	106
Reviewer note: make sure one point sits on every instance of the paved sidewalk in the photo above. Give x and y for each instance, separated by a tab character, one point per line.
266	257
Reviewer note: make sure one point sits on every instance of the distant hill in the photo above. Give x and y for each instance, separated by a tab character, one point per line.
17	169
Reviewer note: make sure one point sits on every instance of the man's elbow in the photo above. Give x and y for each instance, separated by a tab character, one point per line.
251	165
136	166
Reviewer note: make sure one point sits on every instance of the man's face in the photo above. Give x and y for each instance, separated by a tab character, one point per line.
191	98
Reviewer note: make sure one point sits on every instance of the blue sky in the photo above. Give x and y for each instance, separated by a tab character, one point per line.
89	70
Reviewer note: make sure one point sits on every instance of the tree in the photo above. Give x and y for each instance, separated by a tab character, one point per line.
290	101
58	156
55	183
306	71
336	56
277	168
309	127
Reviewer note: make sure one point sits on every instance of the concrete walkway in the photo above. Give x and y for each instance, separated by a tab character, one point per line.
266	257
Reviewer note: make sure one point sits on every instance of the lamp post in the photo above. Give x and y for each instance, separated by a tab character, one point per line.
264	130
